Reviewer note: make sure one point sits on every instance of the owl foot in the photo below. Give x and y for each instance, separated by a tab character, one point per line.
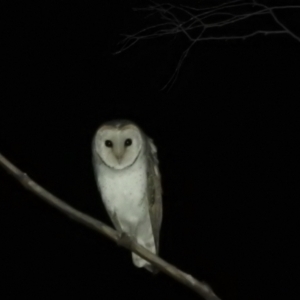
124	240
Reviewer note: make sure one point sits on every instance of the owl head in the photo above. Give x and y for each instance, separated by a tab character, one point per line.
118	144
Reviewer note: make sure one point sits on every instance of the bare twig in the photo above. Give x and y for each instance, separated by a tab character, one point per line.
207	21
199	287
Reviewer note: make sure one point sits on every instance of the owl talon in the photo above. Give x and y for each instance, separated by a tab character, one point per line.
124	240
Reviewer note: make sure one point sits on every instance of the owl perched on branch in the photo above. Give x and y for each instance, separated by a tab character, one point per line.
127	174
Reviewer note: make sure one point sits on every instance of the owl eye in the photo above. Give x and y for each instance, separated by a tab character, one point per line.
128	142
108	143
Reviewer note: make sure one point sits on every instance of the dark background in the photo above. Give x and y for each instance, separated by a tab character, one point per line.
225	135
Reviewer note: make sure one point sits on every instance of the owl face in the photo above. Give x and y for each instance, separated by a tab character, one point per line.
118	147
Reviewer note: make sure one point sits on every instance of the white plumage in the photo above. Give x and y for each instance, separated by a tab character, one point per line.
127	175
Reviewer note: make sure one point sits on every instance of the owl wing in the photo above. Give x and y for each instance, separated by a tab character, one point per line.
154	192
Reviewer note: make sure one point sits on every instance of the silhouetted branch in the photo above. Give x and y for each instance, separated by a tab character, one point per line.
206	22
199	287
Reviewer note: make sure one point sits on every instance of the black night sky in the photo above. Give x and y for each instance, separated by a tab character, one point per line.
225	135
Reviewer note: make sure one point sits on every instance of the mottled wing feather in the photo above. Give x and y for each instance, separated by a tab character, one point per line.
154	192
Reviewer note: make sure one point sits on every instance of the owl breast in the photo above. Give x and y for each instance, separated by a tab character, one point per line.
123	192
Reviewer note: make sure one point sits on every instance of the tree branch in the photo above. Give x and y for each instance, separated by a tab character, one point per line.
207	21
200	288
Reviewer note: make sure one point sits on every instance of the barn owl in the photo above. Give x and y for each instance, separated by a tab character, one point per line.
128	178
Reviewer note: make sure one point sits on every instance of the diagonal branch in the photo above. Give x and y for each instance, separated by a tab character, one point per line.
200	288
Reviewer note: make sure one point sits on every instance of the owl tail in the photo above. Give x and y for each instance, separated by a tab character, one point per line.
142	263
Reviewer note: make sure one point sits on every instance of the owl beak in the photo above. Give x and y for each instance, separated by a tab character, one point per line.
118	155
119	158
